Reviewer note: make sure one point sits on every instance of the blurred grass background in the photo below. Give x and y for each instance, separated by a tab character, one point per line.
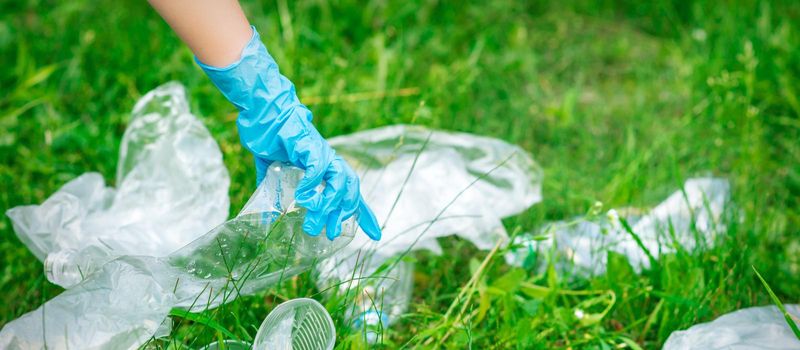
620	101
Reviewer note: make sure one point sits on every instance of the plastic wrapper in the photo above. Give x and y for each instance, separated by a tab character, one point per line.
755	328
689	217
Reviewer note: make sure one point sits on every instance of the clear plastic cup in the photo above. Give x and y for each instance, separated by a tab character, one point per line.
298	324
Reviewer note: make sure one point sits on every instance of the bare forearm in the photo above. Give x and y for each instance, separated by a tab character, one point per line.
215	30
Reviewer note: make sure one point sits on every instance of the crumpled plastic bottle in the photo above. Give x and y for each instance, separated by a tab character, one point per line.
383	300
382	292
264	243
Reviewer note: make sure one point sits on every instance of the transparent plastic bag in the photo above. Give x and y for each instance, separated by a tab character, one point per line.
754	328
172	188
424	184
692	214
120	306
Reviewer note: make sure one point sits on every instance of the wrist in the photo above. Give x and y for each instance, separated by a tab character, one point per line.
251	44
254	80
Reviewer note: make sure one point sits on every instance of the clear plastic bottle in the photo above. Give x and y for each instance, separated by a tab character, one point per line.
383	299
263	245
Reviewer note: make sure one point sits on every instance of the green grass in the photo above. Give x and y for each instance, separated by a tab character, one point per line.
618	101
779	304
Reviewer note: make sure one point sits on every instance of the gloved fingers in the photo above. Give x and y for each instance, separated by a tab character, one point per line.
349	203
327	202
367	221
261	169
314	222
335	190
352	193
315	168
334	225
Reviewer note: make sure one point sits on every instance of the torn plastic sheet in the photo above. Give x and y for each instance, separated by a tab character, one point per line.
689	218
755	328
148	242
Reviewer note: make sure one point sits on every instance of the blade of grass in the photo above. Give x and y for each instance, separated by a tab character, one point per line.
639	242
204	320
779	304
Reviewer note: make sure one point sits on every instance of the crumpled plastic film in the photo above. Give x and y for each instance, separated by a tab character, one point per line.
692	214
424	184
754	328
120	306
172	188
121	286
125	303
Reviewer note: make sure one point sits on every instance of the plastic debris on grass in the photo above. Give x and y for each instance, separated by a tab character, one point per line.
422	185
754	328
127	258
159	241
296	324
172	187
689	218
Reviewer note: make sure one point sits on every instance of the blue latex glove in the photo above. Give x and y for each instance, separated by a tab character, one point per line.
275	126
